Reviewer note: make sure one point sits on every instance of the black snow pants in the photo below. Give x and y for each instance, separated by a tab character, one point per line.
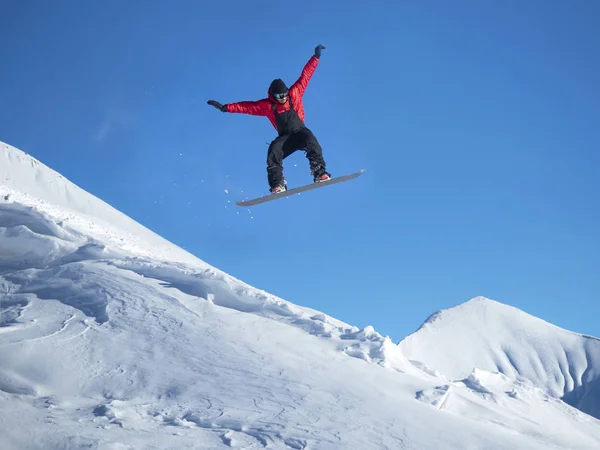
286	144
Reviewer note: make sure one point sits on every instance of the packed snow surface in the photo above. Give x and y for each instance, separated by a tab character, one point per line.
500	338
113	338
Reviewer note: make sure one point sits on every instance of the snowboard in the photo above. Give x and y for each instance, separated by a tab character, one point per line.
307	187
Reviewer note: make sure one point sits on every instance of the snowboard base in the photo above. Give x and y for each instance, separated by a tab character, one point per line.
307	187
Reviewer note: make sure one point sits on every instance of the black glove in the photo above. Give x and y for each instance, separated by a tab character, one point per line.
318	49
222	108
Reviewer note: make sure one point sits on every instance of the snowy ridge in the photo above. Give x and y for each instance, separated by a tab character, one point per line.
500	338
25	180
113	338
53	222
30	239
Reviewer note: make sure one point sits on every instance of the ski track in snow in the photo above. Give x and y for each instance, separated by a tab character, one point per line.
112	338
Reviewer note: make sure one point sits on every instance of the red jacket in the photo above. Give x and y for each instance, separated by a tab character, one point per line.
264	107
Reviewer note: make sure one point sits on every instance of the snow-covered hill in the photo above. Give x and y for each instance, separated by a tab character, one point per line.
113	338
500	338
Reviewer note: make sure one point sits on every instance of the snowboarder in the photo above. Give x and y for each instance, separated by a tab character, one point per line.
284	108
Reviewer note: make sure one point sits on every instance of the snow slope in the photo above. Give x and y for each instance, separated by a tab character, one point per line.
27	181
113	338
500	338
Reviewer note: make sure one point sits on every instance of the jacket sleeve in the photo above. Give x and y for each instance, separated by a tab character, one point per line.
307	73
258	108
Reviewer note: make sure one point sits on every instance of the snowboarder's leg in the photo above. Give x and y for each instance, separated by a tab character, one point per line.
314	153
278	150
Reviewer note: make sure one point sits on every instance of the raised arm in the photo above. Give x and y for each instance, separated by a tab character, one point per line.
307	72
258	108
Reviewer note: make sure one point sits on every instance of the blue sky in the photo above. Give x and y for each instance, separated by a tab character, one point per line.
477	124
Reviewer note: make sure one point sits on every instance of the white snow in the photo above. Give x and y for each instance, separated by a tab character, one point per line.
500	338
113	338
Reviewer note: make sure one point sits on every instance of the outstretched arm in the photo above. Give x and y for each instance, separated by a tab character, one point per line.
258	108
307	72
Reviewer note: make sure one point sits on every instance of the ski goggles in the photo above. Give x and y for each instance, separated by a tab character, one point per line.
281	96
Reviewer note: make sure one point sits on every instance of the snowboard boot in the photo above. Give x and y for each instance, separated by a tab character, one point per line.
281	187
321	176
